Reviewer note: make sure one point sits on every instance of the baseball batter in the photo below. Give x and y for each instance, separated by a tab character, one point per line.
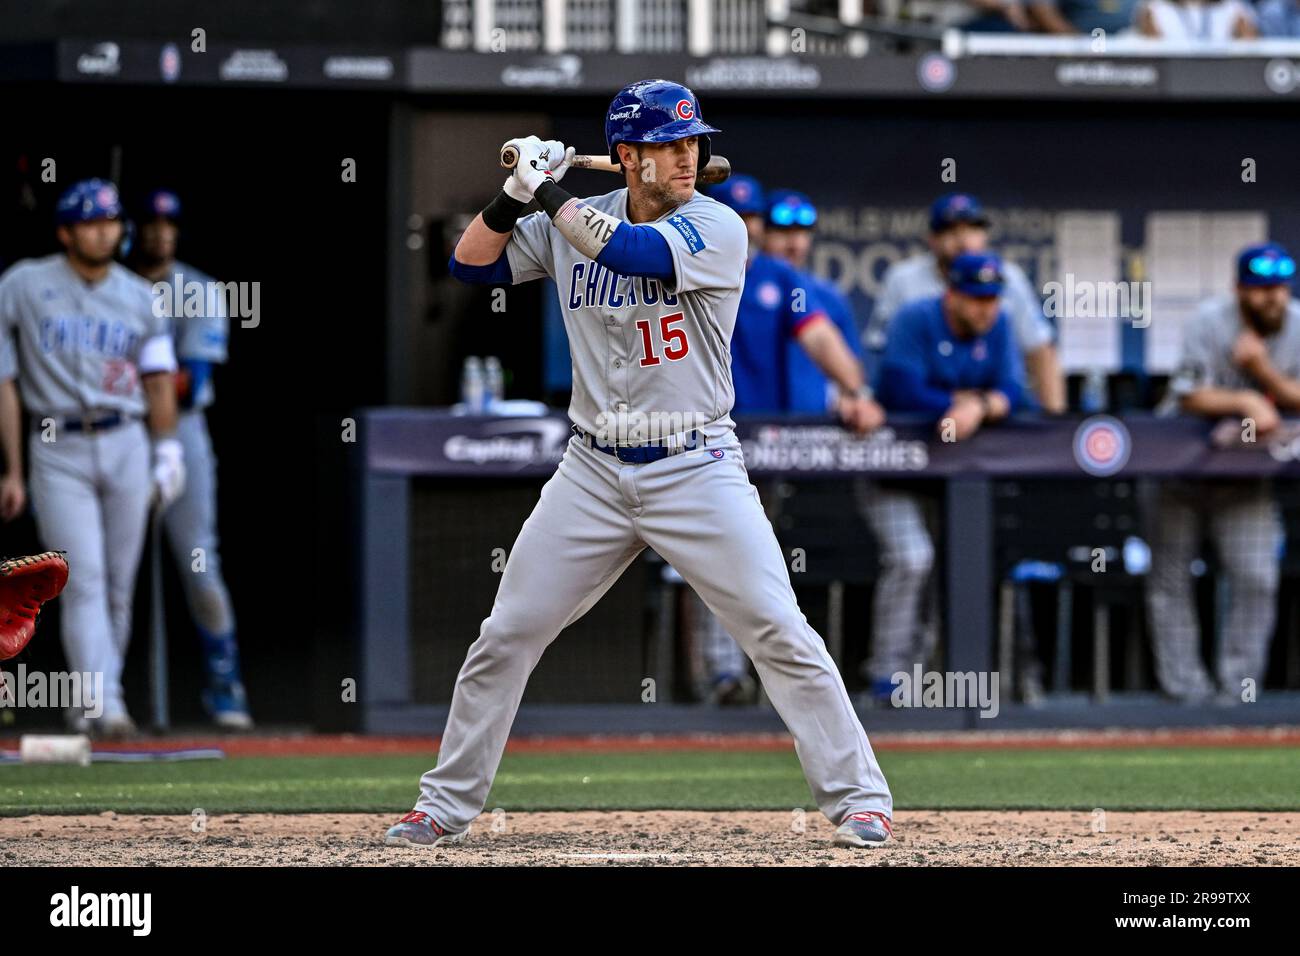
191	520
649	279
92	362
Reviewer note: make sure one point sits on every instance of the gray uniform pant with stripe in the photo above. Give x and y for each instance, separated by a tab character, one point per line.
90	498
191	522
1242	518
703	516
897	518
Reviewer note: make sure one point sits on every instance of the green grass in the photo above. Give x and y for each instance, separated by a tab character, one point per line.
1149	779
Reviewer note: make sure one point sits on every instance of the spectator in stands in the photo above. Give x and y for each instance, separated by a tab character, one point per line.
973	16
951	358
959	225
791	219
1279	18
1082	16
1192	22
1240	361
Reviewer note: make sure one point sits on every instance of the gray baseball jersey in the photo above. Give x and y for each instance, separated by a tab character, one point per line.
644	346
79	347
1208	338
1241	516
80	351
637	345
918	278
202	337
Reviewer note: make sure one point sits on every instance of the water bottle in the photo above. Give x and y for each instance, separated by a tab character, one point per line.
472	386
495	379
1094	398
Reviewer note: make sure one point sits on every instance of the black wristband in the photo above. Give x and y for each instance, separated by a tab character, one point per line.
502	213
551	197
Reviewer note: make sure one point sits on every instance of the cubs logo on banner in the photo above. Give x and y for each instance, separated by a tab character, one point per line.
1102	445
685	109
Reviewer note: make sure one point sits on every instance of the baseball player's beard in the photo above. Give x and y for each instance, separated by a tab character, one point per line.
665	193
1265	323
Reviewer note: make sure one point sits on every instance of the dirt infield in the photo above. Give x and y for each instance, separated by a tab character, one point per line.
663	838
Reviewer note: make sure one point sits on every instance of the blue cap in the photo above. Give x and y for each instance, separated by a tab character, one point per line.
788	208
953	208
744	194
976	274
88	200
1265	264
162	204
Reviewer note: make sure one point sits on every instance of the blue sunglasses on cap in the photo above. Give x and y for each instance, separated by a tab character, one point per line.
1272	267
793	216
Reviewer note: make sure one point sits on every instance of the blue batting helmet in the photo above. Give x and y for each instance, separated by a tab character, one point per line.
789	209
161	204
87	200
655	111
742	193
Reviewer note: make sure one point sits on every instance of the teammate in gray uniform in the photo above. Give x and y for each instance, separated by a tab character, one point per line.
92	360
191	521
1241	360
649	279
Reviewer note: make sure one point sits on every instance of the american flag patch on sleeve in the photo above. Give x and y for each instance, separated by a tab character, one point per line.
570	210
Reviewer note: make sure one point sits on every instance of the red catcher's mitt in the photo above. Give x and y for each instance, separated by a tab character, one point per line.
26	584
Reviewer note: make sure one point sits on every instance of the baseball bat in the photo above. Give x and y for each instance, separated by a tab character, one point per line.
715	171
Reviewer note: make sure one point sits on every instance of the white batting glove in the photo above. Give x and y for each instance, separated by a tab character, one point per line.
537	160
561	157
168	471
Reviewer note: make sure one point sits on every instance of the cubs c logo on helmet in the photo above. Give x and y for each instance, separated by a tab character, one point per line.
685	109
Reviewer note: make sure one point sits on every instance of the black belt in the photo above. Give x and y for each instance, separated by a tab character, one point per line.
92	425
643	454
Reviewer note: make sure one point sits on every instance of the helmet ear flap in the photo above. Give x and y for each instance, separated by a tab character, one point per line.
705	151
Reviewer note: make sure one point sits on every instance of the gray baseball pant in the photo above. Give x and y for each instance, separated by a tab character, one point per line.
702	515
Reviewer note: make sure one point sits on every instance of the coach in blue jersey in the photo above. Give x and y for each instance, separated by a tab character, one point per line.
952	359
791	219
780	314
959	226
779	307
